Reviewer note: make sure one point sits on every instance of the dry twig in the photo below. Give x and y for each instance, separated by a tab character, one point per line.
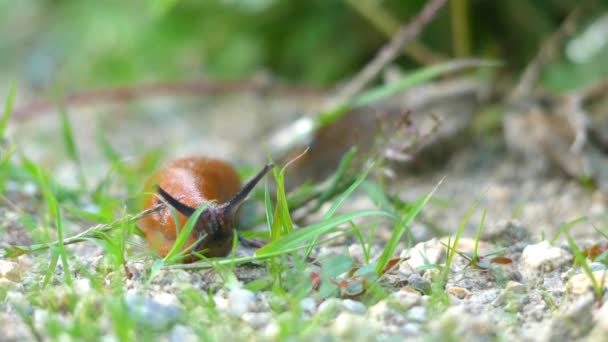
547	52
129	93
390	51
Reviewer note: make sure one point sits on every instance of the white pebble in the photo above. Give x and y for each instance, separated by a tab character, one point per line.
541	258
354	306
240	301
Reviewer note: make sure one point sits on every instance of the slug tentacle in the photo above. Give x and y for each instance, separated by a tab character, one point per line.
235	202
179	206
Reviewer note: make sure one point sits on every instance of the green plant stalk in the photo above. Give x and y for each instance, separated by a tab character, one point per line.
452	250
244	260
8	110
336	205
400	228
301	236
70	144
478	238
61	247
460	27
566	227
281	222
582	261
366	247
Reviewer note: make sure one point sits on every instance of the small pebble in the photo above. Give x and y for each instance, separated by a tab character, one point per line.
581	283
152	314
257	319
10	270
240	301
354	306
514	286
308	305
419	283
182	333
459	292
542	258
431	251
352	327
330	306
407	298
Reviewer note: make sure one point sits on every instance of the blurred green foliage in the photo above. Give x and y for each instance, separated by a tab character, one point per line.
74	43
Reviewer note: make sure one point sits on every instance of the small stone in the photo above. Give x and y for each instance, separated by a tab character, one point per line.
152	314
412	329
272	331
10	270
419	283
380	312
596	266
6	284
308	305
431	252
407	298
542	258
354	306
514	286
330	306
82	286
240	301
581	283
257	319
353	327
182	333
410	290
356	253
221	301
456	323
600	330
459	292
165	298
417	314
431	274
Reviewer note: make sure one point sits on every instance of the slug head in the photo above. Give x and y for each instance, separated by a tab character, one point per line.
216	222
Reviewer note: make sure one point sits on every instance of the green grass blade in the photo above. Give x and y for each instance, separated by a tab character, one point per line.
176	250
61	247
566	227
415	78
453	246
336	205
267	205
400	229
52	267
478	236
299	237
70	144
582	261
332	210
8	110
410	80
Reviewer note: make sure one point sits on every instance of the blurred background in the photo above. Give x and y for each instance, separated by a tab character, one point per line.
77	45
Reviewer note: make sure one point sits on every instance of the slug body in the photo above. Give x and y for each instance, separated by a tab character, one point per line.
186	184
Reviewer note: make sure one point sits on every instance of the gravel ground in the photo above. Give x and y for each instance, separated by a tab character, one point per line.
540	296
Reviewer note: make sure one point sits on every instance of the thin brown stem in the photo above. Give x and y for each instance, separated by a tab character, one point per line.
390	51
179	88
